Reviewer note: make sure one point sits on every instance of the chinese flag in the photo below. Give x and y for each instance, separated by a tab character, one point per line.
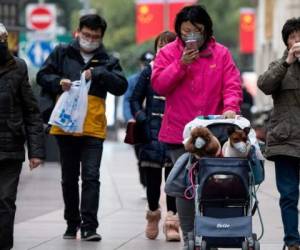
155	16
247	31
174	7
149	19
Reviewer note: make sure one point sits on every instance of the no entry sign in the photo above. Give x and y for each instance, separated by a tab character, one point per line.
41	17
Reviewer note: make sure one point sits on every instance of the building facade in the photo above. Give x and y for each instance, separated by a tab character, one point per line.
271	15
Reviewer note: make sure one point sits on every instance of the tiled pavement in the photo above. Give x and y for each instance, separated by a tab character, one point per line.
39	224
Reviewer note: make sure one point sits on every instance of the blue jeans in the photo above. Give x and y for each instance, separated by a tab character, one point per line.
83	153
287	181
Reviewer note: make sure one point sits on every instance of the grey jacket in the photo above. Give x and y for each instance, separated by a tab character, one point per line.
283	134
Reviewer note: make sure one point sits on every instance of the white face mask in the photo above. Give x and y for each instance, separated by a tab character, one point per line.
87	45
194	36
199	142
240	146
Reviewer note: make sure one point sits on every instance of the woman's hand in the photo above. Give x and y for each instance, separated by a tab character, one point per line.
189	56
229	114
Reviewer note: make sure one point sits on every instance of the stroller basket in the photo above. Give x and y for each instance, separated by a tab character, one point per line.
223	198
225	227
225	179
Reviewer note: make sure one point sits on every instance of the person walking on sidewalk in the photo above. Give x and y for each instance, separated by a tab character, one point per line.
144	60
153	154
20	120
81	153
282	81
197	77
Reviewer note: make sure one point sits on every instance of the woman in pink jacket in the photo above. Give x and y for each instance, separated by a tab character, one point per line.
197	76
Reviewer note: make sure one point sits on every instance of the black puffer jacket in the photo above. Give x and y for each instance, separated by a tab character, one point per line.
20	118
66	62
150	116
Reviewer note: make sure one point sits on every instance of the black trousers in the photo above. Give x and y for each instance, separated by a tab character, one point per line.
81	153
154	178
9	180
142	171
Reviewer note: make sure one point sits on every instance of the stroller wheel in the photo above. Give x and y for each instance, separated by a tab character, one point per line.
203	245
191	244
256	245
245	245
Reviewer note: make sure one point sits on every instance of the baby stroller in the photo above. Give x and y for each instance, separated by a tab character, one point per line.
224	192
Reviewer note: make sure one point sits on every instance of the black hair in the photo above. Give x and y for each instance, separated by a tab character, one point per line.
93	22
166	36
195	14
290	26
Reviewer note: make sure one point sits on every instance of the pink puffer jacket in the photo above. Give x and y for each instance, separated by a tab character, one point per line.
210	85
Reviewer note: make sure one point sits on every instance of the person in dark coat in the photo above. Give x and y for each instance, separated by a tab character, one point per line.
153	154
20	121
144	60
80	153
282	81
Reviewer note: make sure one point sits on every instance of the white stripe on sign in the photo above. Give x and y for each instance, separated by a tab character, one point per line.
41	19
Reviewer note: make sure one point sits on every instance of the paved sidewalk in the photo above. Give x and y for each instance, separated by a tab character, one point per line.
121	213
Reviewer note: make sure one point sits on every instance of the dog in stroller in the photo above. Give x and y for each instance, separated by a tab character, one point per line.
224	195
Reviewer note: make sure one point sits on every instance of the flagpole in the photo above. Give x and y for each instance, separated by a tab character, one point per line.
166	15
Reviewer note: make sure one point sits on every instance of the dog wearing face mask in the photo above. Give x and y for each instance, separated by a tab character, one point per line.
237	144
202	143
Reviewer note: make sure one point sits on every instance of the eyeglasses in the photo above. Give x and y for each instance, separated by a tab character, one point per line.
90	36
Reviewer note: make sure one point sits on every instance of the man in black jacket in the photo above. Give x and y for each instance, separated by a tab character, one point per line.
64	65
20	120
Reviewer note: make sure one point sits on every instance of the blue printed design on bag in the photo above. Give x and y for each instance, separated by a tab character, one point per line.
65	117
71	108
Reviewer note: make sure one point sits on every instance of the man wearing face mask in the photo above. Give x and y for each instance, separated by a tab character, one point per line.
81	153
20	120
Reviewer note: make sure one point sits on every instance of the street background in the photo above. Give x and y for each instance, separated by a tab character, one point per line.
39	218
251	29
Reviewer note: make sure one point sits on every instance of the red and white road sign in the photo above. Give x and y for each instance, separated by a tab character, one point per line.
41	17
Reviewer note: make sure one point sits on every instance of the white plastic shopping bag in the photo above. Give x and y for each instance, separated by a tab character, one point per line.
70	110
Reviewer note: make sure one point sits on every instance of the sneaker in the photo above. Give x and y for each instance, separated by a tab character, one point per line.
70	233
90	236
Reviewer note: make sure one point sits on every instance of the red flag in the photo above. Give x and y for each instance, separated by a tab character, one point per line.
247	31
149	20
174	7
151	14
